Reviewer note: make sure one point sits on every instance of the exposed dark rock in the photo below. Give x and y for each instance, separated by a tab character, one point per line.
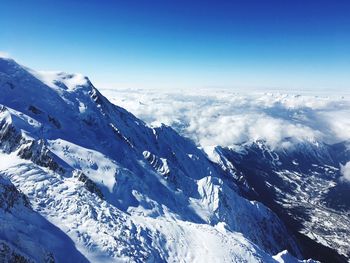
34	109
12	255
9	85
37	152
9	255
157	163
55	122
88	183
10	196
9	137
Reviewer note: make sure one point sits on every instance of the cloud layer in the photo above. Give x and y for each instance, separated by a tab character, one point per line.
4	54
222	117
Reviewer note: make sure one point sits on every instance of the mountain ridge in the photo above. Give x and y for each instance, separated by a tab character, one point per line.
97	172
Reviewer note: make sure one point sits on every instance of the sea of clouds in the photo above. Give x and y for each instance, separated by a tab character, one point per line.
222	117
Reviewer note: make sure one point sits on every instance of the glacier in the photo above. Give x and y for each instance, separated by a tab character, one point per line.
83	180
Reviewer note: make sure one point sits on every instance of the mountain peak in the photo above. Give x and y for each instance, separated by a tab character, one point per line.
118	187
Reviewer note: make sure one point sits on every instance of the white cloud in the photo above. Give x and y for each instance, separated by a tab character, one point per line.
222	117
345	172
4	54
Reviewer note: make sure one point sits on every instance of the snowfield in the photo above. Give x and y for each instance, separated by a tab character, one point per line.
84	180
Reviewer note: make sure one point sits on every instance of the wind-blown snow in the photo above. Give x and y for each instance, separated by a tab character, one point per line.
4	54
345	171
58	79
223	117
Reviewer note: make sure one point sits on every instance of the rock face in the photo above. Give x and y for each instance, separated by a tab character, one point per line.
303	185
11	197
103	186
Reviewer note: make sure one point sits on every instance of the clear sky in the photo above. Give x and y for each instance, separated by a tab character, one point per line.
290	44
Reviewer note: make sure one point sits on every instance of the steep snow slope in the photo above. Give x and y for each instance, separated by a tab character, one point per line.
302	184
26	236
104	232
287	149
119	189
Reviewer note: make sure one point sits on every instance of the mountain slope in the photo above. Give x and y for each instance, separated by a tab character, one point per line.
299	183
26	236
119	189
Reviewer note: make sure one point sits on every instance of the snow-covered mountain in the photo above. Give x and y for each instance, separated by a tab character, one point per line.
303	184
287	149
85	180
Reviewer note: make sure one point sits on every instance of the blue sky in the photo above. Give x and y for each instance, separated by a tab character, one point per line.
169	44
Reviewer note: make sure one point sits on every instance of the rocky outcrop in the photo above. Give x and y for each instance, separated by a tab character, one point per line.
10	196
10	255
88	183
38	152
